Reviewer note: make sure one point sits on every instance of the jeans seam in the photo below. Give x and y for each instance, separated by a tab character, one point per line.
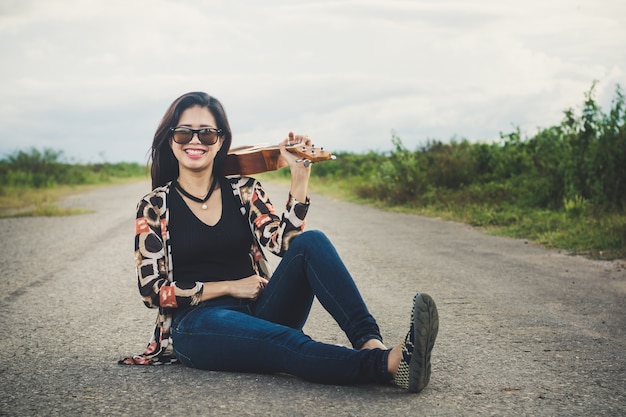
346	317
328	293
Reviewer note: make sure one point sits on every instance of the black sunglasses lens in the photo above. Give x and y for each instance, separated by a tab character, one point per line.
182	136
208	137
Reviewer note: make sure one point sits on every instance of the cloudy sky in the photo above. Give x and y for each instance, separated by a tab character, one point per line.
93	78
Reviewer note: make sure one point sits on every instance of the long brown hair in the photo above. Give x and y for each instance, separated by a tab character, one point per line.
164	164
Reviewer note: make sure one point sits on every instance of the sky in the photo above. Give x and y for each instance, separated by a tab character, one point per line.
93	78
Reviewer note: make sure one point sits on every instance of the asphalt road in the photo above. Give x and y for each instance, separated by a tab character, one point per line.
523	330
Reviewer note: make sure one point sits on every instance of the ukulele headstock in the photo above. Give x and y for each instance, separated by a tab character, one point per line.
310	153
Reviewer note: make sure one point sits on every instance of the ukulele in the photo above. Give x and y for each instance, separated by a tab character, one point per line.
255	159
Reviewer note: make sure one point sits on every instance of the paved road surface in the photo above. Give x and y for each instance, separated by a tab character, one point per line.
523	330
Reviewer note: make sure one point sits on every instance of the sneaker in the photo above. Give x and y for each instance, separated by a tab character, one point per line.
414	371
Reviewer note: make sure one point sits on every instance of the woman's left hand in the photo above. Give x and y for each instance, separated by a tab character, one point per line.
293	160
300	171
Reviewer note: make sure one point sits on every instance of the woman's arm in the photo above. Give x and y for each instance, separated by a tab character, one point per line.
272	232
249	287
300	172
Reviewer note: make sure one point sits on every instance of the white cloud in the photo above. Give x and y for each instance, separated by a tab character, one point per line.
94	78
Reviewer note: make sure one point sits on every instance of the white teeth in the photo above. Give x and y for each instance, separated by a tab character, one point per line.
194	151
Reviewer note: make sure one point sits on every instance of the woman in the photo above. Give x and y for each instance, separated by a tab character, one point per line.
198	245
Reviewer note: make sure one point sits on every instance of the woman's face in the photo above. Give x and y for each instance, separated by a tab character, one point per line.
195	156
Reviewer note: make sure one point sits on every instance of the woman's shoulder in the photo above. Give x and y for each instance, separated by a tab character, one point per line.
157	196
240	181
244	187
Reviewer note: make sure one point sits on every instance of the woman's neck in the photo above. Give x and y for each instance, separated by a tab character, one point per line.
197	184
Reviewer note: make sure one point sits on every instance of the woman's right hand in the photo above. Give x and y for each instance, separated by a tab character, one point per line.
249	287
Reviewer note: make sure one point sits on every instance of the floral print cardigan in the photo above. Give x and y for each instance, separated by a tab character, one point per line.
153	255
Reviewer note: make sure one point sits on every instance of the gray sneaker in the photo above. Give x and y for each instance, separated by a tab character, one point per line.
414	371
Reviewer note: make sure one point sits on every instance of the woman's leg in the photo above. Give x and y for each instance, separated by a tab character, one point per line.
220	339
311	267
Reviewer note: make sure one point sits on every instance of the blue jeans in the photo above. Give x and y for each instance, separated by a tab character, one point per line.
265	336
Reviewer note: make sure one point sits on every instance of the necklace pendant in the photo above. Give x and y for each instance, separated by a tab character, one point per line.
204	206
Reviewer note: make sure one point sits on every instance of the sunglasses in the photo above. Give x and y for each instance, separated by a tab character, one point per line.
183	135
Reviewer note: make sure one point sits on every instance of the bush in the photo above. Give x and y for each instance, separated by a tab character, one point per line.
401	177
44	169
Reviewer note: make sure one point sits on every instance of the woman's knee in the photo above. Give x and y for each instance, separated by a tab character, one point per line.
311	238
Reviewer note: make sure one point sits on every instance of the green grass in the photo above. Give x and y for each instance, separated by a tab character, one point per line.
42	210
599	237
575	230
33	181
27	201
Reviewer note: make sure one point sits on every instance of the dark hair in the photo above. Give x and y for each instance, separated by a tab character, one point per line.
164	163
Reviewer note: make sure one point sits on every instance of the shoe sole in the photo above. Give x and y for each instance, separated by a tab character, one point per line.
425	328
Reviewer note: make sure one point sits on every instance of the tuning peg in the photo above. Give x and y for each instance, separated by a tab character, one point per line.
304	161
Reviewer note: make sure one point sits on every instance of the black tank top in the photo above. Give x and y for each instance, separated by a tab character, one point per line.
209	253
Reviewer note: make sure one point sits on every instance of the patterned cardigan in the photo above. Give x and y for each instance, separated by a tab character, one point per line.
153	255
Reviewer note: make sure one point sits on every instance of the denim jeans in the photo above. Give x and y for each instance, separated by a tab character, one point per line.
265	336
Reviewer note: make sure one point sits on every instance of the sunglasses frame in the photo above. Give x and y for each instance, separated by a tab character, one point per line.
181	129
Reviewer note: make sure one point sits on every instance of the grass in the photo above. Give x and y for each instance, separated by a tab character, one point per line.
33	202
598	237
579	232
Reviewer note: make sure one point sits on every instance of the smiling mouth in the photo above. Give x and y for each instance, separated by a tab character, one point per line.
195	151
